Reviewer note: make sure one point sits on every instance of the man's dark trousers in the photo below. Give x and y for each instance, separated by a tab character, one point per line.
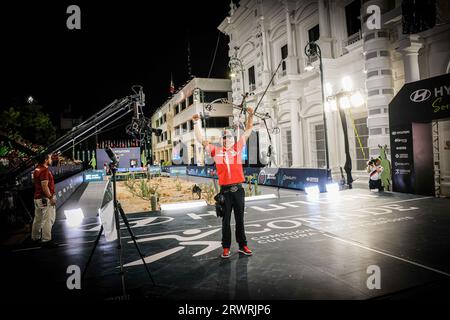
234	201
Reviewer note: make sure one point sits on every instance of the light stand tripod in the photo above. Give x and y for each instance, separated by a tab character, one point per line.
118	211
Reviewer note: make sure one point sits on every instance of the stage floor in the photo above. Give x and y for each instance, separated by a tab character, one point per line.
325	247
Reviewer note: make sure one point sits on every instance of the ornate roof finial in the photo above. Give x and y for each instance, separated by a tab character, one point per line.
232	8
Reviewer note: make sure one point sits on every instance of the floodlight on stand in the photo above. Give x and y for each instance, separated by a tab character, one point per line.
357	99
344	102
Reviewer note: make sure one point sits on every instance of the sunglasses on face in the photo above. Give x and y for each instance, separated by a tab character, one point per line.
228	137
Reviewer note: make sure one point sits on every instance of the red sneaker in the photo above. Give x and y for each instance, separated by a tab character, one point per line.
226	253
245	250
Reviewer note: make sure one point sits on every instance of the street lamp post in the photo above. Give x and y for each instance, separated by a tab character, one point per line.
341	101
312	49
235	65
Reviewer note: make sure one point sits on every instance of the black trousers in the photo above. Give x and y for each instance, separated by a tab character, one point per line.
234	201
375	184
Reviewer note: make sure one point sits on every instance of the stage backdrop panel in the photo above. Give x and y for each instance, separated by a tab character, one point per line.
128	157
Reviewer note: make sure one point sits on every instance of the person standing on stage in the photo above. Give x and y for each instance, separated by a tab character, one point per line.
375	169
44	202
228	162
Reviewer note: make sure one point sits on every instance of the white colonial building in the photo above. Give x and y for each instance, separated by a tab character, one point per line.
264	33
174	118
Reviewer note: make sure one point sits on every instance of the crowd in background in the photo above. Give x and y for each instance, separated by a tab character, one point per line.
15	150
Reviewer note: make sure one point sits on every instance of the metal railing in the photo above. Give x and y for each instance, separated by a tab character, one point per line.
353	38
26	180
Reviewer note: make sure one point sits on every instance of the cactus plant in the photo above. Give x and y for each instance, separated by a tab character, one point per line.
257	191
145	190
178	186
153	202
249	189
208	191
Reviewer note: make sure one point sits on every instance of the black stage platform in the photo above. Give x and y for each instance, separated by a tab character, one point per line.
304	248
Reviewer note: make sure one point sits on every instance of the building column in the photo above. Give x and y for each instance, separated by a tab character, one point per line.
266	53
295	133
334	145
301	150
291	60
324	23
409	48
325	41
379	80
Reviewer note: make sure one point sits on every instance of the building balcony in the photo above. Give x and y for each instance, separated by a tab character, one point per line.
352	42
353	39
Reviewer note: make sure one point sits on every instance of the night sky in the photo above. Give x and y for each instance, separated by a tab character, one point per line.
119	44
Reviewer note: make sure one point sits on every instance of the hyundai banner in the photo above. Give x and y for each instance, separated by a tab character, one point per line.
411	113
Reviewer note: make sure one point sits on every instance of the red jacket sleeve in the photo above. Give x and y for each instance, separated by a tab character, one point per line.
211	149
